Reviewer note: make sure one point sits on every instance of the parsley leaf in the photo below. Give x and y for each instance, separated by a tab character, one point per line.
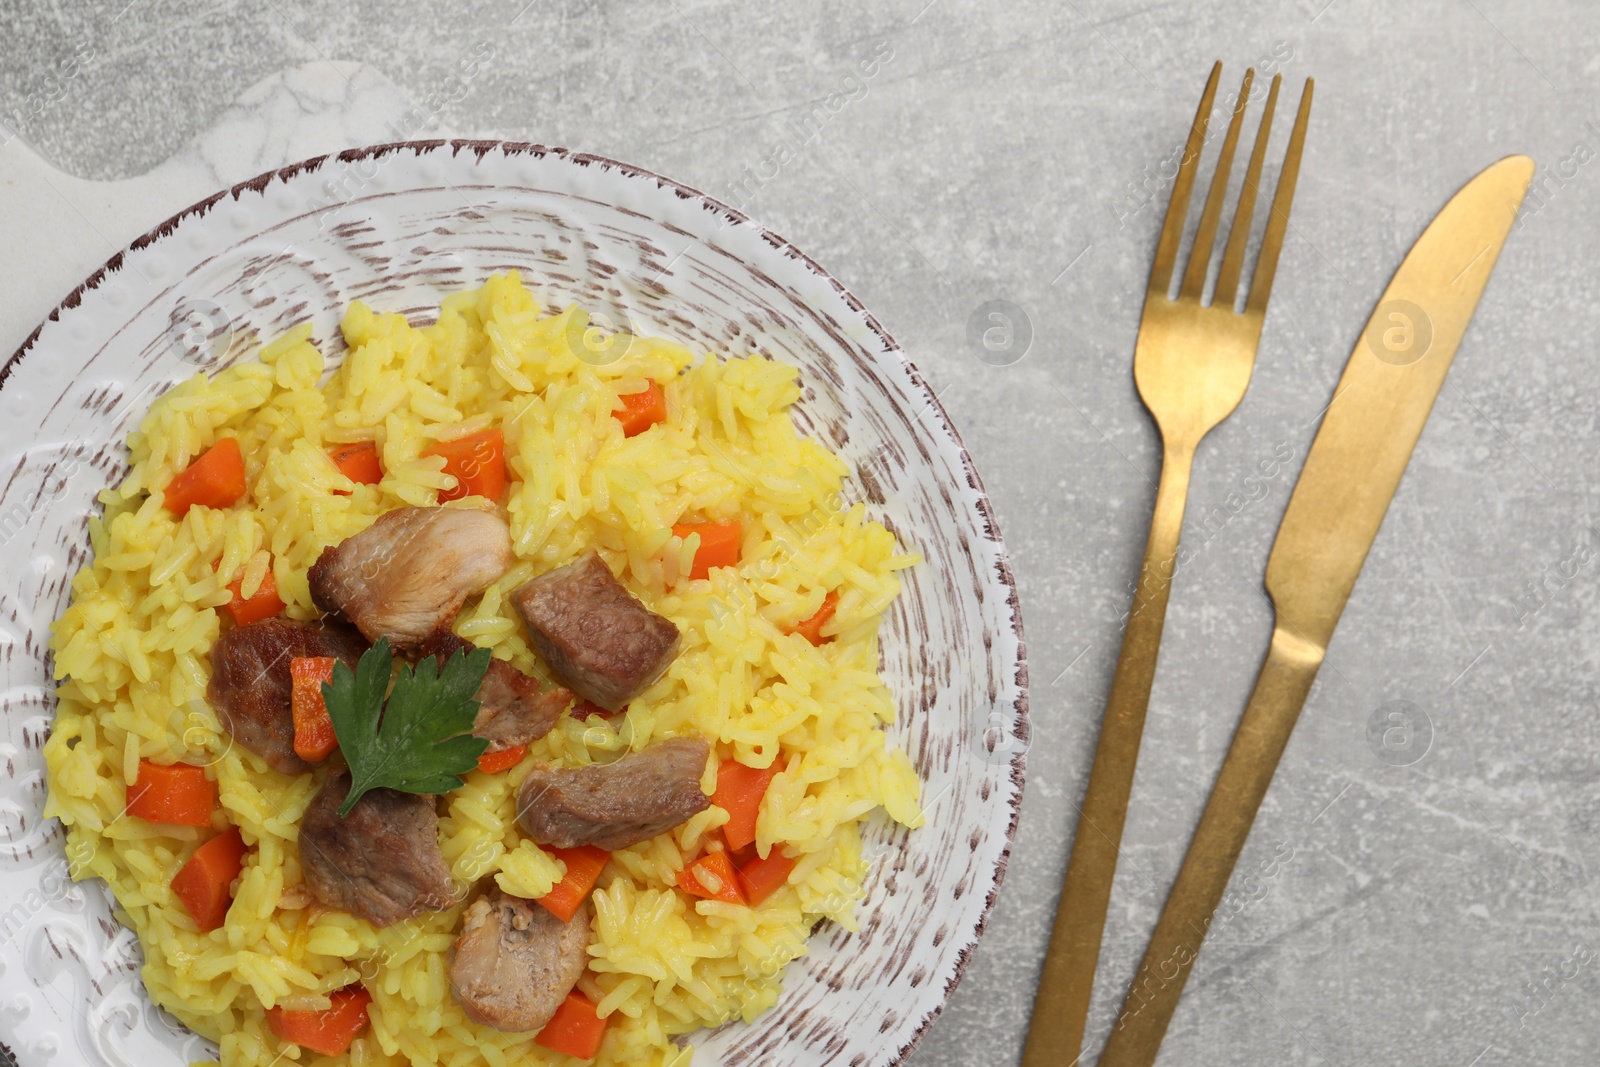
421	741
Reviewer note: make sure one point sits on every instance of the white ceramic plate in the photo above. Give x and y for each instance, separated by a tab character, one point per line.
398	226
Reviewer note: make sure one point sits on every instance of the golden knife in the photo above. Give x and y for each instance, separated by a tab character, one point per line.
1355	463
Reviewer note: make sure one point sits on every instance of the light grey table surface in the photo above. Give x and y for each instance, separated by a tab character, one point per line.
1437	913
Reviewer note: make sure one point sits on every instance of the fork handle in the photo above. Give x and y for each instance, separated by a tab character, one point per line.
1061	1006
1281	688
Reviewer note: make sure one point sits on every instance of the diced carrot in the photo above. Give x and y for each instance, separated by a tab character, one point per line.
329	1032
358	462
215	479
477	462
313	726
264	605
204	883
576	1028
739	793
640	411
763	877
177	793
712	876
719	544
811	629
584	865
504	760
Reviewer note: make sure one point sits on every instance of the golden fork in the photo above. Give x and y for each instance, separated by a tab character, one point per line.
1192	363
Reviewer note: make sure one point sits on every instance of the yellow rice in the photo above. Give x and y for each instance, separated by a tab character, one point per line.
131	659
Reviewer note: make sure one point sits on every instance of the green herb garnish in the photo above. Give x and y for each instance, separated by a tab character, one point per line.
420	741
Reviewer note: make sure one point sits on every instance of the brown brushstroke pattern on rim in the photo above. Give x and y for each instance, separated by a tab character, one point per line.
582	265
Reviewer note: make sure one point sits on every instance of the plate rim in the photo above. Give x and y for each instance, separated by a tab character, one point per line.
1022	723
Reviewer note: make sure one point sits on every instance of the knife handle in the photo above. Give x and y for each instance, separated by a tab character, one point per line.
1280	692
1061	1005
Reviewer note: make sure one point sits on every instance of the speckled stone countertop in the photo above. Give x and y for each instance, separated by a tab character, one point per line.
1438	903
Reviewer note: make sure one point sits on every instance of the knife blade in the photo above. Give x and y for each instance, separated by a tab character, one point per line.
1355	463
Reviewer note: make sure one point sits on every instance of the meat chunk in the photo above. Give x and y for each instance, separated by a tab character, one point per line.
614	805
407	574
381	862
596	636
252	691
515	962
513	711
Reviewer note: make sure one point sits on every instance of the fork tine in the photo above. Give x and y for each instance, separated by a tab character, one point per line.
1282	201
1178	206
1194	276
1233	259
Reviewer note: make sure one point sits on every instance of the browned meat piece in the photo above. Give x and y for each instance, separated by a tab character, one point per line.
515	962
251	689
614	805
408	573
514	711
595	635
381	862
